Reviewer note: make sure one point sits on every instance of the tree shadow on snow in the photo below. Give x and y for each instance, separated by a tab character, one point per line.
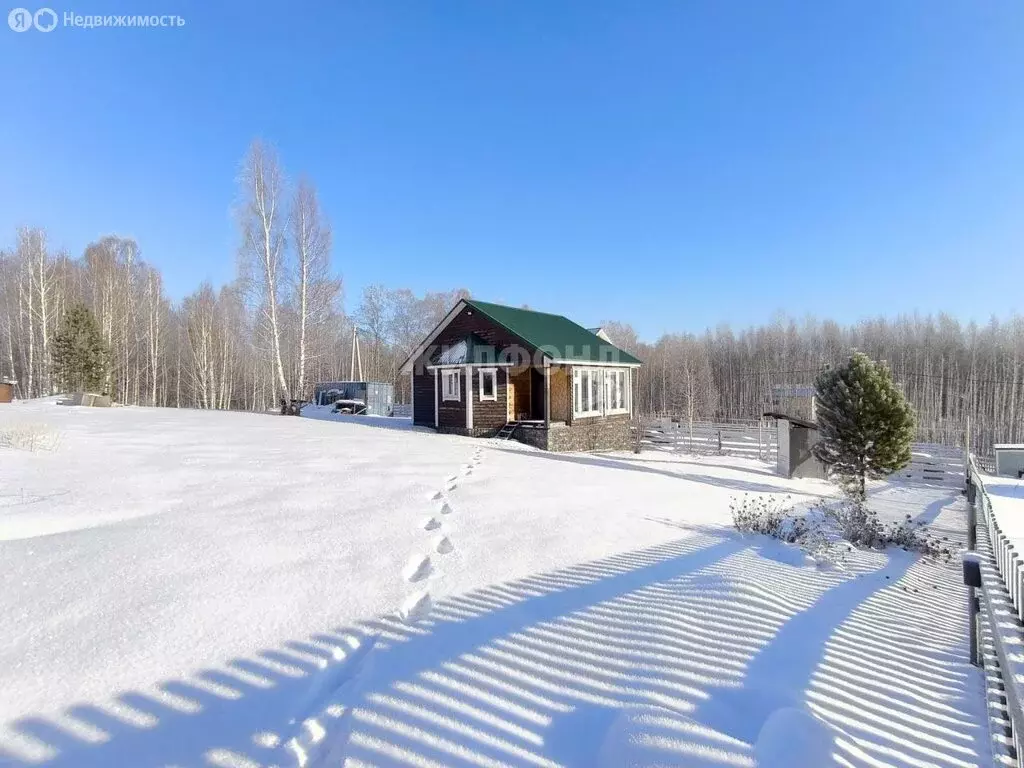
401	424
1008	490
617	462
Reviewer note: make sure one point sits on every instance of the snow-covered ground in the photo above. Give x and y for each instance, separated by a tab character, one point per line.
202	588
1007	497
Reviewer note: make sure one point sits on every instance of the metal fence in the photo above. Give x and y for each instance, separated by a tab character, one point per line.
932	463
998	616
752	439
929	463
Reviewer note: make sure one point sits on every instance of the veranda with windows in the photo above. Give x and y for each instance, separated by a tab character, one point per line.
489	396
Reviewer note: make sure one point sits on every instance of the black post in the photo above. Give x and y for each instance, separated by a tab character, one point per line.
972	546
972	623
973	582
972	517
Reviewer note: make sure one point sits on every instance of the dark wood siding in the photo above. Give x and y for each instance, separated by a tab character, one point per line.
452	413
489	414
423	399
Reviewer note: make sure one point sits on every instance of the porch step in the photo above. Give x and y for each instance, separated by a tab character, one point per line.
506	432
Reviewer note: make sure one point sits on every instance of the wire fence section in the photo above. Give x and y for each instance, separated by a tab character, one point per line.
752	439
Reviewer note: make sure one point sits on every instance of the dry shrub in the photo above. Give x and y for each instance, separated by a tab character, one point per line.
29	437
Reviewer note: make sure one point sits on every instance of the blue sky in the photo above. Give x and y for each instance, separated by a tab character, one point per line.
674	164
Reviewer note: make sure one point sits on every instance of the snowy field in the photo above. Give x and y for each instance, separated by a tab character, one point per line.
219	589
1007	497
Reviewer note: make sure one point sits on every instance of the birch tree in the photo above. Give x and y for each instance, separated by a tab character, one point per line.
314	288
263	220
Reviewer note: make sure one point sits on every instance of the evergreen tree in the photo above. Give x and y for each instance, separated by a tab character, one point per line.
866	425
79	354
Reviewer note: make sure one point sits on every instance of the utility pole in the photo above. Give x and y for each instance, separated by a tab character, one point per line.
356	356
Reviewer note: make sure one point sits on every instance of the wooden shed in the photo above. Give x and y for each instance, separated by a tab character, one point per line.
6	391
796	438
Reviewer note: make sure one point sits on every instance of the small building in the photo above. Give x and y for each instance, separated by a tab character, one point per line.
88	399
1009	459
6	391
489	369
374	398
796	438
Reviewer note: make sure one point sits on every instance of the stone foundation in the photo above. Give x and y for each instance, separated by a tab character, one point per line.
610	434
535	436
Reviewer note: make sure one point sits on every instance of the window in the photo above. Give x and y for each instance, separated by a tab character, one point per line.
488	384
587	385
450	389
615	381
599	391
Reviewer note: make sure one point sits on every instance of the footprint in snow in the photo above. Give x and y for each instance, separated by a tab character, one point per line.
443	545
451	487
267	739
467	471
446	509
435	495
452	479
431	524
415	606
418	568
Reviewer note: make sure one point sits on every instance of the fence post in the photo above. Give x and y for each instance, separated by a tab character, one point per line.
1013	580
759	423
972	512
973	607
719	442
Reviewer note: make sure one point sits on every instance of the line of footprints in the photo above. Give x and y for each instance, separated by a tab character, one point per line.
421	566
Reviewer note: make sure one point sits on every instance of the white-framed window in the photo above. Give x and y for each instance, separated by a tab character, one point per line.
450	389
599	391
587	391
615	394
488	384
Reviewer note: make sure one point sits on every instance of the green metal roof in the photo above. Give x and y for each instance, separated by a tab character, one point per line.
558	337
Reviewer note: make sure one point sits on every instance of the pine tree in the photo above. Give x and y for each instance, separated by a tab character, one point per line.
865	424
80	356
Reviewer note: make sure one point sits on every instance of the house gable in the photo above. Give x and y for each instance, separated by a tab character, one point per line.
470	337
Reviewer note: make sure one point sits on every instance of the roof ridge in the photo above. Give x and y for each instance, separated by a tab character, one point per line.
521	309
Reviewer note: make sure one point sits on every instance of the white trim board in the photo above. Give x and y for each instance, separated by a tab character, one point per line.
588	364
469	397
475	365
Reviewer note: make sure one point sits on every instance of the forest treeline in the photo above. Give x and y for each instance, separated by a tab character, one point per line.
280	326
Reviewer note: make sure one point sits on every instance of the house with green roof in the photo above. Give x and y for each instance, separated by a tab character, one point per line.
490	370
